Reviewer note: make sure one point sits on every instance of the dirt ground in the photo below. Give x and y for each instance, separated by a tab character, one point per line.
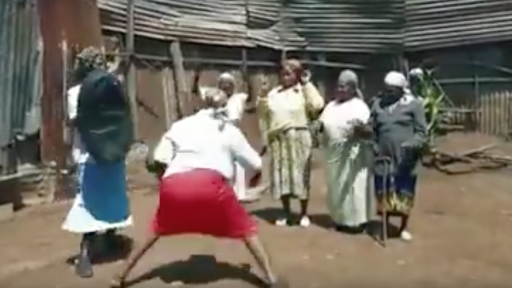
462	227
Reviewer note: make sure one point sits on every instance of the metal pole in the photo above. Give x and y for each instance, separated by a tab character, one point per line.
131	78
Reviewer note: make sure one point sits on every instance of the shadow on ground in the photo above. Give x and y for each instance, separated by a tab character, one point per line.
269	215
117	249
199	269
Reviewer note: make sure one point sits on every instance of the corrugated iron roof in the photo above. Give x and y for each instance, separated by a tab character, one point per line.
440	23
355	26
348	25
218	22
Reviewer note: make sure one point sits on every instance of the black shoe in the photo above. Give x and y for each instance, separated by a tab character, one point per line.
83	267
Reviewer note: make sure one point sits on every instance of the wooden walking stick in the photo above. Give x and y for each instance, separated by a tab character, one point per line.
386	173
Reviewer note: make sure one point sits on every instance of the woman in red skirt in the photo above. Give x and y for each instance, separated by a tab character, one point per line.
198	155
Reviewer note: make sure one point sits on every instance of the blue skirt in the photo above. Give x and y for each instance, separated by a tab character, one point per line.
102	202
395	193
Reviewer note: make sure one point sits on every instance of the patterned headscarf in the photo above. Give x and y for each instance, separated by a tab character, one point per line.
89	59
216	100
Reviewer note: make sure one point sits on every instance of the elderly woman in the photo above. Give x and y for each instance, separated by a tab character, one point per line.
400	133
196	196
235	110
287	111
346	153
101	203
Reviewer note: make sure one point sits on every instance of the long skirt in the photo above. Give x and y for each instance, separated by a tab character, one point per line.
290	163
102	202
201	201
348	199
400	193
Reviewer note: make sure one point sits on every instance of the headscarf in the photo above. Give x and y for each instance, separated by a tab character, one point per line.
416	73
216	100
89	59
295	65
349	77
227	77
398	80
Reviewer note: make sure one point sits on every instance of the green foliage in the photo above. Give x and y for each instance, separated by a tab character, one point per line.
433	102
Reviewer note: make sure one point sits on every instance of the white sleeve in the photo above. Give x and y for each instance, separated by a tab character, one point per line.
244	154
236	106
364	112
202	92
72	103
164	151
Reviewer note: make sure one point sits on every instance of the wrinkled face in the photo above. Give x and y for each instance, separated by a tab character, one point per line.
394	91
344	92
227	86
288	76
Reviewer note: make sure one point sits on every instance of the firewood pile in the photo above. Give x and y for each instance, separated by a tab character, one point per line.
483	158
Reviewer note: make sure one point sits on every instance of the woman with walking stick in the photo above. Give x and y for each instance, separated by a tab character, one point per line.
400	132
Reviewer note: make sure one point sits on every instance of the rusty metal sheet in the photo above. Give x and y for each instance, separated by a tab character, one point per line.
19	78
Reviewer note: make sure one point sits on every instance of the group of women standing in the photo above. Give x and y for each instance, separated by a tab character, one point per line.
366	148
204	159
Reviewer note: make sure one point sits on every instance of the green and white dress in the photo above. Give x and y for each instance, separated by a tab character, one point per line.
285	115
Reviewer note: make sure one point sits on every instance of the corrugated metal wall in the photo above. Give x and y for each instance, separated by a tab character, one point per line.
440	23
19	77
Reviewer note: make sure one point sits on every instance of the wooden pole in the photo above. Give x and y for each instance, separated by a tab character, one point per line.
186	103
131	78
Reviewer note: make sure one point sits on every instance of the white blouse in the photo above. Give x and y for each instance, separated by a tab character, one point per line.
289	108
201	141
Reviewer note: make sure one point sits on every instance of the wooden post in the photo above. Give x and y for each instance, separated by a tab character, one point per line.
186	104
131	78
167	95
321	77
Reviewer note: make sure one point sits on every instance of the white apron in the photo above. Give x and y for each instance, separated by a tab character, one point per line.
236	109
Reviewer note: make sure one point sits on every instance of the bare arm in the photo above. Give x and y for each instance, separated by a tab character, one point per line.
314	101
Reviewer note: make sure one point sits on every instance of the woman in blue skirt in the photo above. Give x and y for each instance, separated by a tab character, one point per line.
101	204
400	132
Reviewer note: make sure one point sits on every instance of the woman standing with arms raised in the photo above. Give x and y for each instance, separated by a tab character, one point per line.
286	113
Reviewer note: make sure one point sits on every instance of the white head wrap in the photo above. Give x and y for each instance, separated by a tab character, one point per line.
416	72
226	76
349	77
396	79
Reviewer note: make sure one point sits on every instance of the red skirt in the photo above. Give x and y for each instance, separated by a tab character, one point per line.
201	201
